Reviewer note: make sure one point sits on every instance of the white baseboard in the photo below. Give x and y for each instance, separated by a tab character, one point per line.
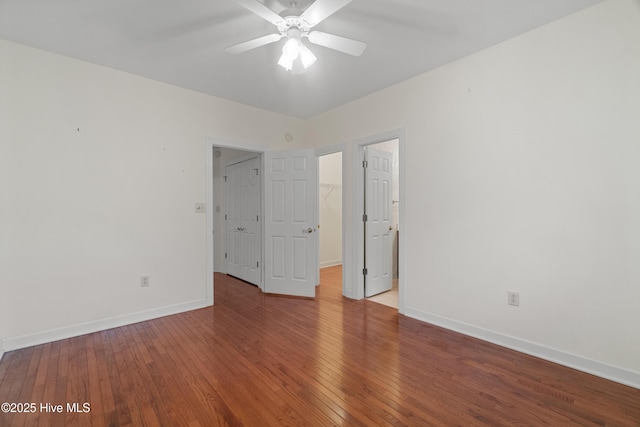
1	350
600	369
330	263
38	338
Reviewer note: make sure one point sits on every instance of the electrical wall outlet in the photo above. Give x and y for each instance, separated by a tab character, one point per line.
144	281
513	298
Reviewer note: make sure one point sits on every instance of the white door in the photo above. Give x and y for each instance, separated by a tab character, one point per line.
243	220
378	228
290	223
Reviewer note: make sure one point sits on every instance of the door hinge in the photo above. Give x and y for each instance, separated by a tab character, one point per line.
257	218
225	217
364	218
365	164
257	263
225	255
225	178
256	171
364	272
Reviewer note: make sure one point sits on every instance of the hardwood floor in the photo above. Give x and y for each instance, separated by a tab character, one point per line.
259	360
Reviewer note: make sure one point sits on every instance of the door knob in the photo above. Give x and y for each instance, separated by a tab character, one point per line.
390	228
308	230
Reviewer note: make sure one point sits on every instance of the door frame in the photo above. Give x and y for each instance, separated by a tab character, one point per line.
323	151
210	145
357	230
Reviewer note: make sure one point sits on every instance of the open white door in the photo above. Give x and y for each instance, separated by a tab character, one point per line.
290	222
378	228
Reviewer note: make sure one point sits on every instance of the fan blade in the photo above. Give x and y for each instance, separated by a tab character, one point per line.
342	44
321	10
261	10
252	44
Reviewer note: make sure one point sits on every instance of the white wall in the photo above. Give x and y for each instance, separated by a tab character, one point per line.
522	174
100	173
330	209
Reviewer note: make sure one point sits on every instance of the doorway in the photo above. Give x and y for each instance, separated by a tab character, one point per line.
242	208
330	217
357	271
288	217
381	229
236	200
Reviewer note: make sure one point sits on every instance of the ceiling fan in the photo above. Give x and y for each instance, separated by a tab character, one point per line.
296	25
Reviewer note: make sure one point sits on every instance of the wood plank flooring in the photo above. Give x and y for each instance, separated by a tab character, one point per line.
258	360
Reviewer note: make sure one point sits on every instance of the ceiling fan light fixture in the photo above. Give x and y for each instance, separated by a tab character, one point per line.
294	25
285	62
291	49
306	56
294	51
290	52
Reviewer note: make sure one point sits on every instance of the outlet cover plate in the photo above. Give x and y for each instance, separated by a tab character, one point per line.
513	298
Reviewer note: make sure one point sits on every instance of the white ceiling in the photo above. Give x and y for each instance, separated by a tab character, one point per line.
182	42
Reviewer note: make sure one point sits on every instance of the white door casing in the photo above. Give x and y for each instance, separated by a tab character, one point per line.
242	220
290	180
378	210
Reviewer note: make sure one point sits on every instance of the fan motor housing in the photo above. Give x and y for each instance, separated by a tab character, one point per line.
293	22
